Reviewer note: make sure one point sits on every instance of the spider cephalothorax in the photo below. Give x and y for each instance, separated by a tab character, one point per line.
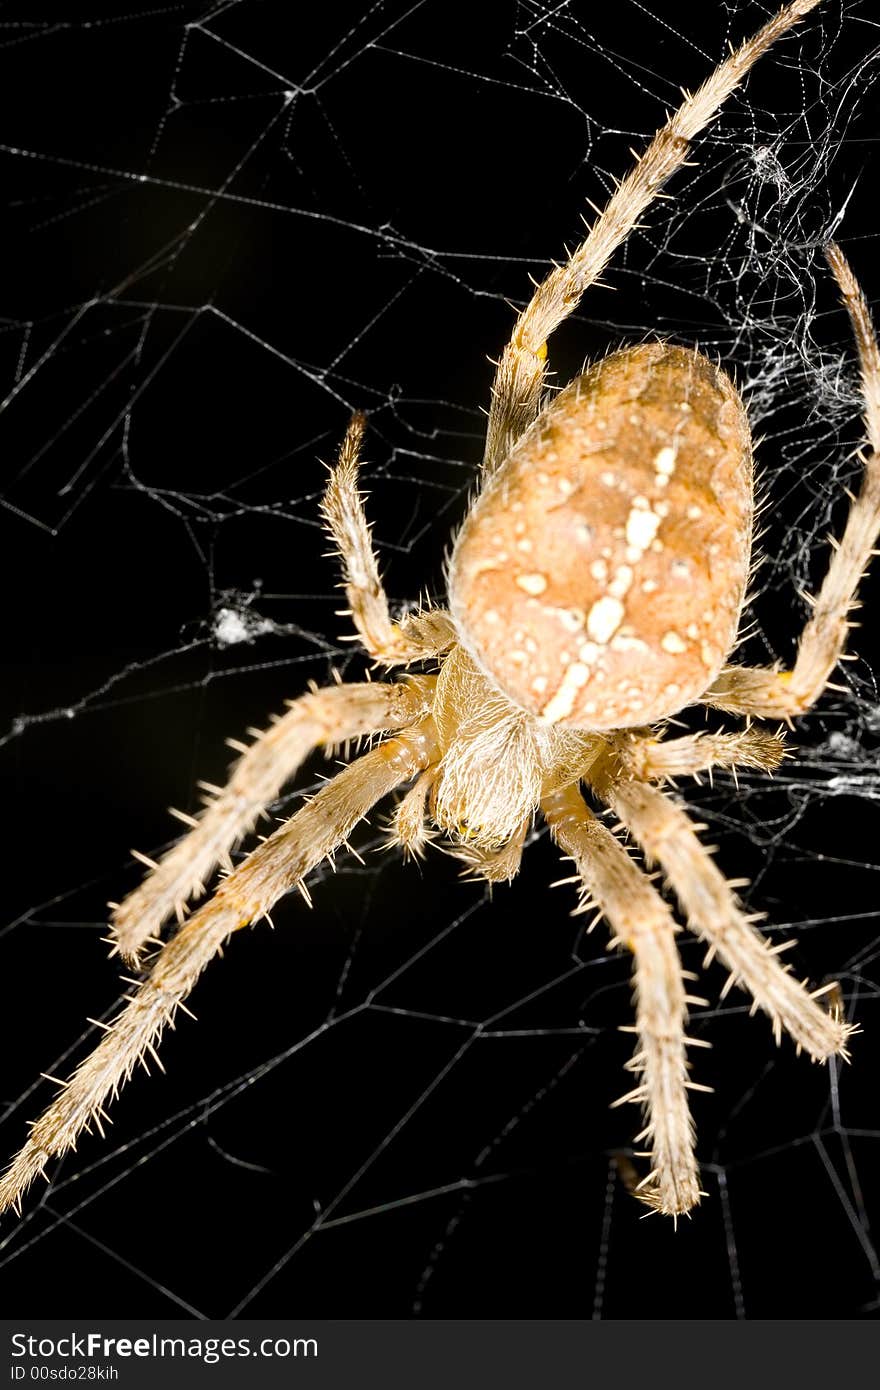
496	760
595	590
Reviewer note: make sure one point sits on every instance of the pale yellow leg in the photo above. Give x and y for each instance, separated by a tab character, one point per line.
325	717
642	922
418	635
520	375
712	913
248	894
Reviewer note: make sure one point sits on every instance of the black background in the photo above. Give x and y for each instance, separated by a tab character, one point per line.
283	262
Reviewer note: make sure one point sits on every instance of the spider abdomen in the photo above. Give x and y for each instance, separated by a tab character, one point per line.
599	577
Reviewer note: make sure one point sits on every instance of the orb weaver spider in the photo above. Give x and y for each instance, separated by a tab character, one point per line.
595	590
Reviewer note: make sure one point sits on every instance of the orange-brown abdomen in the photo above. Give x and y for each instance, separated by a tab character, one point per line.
598	579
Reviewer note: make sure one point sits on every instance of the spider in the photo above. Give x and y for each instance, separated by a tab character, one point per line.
595	590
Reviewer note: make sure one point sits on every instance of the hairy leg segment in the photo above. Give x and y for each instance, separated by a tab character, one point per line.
247	895
324	717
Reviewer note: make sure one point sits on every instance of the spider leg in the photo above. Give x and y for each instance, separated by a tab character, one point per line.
642	922
649	759
415	637
283	860
324	717
520	374
786	694
712	912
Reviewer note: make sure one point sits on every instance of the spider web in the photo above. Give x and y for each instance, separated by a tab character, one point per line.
226	230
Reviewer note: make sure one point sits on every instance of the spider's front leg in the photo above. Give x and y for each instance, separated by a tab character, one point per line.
248	894
787	694
325	717
642	922
417	636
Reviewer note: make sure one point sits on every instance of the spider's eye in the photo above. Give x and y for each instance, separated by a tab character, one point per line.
599	578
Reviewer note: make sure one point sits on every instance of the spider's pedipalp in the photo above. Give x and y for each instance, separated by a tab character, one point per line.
248	894
641	921
323	717
408	827
669	839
